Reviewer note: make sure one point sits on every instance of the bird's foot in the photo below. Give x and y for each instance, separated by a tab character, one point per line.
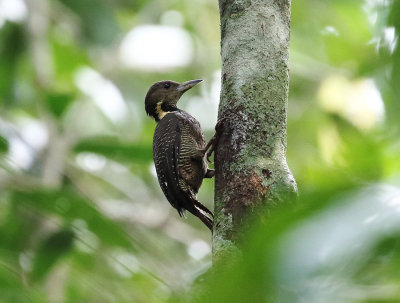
210	173
212	144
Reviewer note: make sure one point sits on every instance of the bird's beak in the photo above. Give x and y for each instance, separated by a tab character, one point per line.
187	85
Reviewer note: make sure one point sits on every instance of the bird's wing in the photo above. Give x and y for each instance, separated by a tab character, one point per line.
166	149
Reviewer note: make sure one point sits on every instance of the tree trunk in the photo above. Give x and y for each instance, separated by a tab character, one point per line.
250	160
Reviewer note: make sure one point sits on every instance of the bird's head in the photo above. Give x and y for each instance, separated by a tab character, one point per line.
163	96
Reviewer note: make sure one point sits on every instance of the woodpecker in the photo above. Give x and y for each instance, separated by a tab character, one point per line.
179	149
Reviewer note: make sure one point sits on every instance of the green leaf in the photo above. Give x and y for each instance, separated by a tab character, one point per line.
50	251
3	145
68	57
58	102
12	45
367	166
98	22
69	206
114	148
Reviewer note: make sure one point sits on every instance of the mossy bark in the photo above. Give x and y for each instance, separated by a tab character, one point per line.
250	160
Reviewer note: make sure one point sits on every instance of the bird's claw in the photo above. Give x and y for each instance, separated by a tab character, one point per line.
214	140
209	153
220	124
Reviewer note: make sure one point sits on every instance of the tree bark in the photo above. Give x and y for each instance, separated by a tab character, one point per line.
250	160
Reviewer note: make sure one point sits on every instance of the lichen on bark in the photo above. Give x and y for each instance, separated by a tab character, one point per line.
250	160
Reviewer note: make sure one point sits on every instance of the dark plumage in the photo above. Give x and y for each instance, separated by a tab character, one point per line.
178	149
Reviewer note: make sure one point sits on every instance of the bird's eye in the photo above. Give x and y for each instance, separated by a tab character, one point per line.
167	85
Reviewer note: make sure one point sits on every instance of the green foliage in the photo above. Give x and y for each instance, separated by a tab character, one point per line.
69	206
116	149
57	103
12	44
82	218
3	145
53	248
317	251
98	23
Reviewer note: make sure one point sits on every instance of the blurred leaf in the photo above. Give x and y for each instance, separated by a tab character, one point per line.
57	103
394	16
3	145
70	206
12	45
8	276
15	219
99	25
394	101
134	5
366	271
68	57
382	264
114	148
351	43
11	286
50	251
367	166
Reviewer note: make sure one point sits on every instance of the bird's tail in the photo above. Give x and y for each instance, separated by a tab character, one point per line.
202	207
206	220
201	212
